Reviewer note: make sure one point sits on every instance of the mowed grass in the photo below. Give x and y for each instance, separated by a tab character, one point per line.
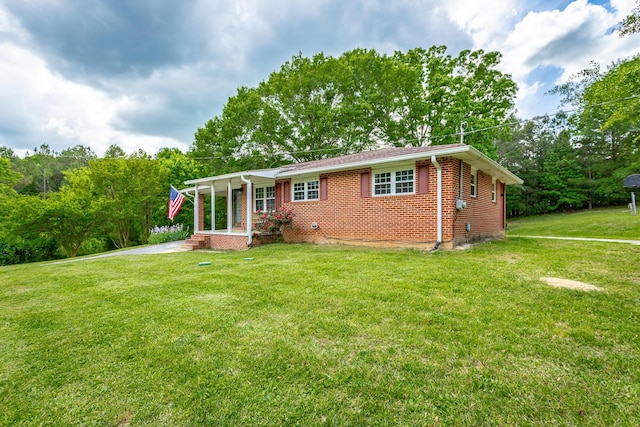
609	223
318	335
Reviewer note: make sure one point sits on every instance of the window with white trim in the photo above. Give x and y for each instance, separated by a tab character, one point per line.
393	182
474	183
308	190
493	190
265	198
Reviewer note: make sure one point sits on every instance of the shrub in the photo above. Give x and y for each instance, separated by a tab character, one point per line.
168	233
274	221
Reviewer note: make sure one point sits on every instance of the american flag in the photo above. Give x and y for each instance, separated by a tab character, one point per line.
175	202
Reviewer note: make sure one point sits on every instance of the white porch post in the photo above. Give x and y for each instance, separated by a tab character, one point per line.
229	208
249	209
213	207
196	210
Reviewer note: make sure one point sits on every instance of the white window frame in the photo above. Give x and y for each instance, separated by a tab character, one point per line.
268	194
494	190
473	188
308	188
393	181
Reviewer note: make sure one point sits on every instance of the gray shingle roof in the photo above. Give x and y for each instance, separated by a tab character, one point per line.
383	153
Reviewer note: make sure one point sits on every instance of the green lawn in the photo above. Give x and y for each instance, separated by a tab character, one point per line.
311	335
611	223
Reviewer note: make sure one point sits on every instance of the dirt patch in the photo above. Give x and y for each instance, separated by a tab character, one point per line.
570	284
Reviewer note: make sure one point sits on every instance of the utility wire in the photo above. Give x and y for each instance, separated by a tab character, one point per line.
457	134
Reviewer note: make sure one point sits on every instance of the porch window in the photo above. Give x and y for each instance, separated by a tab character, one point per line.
393	182
265	198
309	190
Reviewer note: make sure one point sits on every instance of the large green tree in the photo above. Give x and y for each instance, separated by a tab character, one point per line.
606	127
323	106
127	192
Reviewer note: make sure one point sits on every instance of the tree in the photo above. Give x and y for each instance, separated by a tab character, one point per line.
605	128
630	24
114	152
319	107
69	217
127	192
176	168
8	176
562	179
535	153
450	91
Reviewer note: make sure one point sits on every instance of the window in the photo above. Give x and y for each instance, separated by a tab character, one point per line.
396	182
265	199
309	190
493	190
474	183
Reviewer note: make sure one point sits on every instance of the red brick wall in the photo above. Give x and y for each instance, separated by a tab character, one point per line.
348	217
484	215
233	242
200	211
409	220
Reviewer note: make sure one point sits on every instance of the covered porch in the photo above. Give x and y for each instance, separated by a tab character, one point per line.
225	206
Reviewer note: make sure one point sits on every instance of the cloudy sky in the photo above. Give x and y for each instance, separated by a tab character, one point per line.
145	74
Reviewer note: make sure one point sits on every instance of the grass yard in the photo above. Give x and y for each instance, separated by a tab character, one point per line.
329	336
609	223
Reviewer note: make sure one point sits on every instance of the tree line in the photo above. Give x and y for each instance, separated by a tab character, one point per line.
74	202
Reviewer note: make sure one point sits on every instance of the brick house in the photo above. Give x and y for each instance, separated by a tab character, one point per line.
423	197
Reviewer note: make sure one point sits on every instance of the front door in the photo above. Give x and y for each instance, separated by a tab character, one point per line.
237	208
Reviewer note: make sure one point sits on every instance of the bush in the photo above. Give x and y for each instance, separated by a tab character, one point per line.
22	251
93	246
274	221
168	233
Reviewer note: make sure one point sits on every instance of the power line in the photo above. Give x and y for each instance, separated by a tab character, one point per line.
456	134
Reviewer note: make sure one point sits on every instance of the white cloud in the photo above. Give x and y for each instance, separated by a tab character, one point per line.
50	109
486	22
556	38
162	101
566	40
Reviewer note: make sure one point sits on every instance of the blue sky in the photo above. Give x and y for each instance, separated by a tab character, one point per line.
146	74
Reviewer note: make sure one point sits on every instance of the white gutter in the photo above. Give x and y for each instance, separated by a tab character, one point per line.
439	169
249	209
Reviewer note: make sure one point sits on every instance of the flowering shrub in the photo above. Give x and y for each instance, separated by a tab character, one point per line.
168	233
274	221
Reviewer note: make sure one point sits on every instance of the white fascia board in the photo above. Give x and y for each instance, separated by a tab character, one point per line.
491	167
267	173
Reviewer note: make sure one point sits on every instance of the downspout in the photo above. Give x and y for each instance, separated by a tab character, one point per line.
439	174
249	210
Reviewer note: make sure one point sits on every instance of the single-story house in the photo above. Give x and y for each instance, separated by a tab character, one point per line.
423	197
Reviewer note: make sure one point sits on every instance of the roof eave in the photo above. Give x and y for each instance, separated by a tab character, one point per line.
267	173
464	152
367	163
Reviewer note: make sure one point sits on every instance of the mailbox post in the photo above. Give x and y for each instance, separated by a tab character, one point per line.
632	181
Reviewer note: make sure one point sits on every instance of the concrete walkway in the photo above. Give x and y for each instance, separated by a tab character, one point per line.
161	248
586	239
